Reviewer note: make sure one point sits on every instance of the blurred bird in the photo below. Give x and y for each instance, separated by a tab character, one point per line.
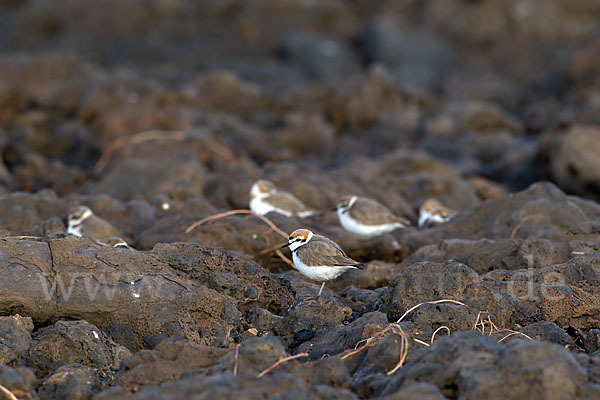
432	212
266	198
83	223
367	218
117	242
319	258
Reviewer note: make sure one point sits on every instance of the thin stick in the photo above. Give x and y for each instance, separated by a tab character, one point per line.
235	212
512	334
277	250
281	361
19	392
492	325
236	358
368	342
140	137
8	393
285	259
270	249
430	302
583	214
421	342
364	340
516	228
437	330
480	323
359	349
396	329
353	352
578	253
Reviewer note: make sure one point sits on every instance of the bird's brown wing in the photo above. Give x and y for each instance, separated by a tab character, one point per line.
323	251
371	212
98	229
288	202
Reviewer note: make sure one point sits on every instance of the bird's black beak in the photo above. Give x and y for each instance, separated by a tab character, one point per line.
285	245
334	209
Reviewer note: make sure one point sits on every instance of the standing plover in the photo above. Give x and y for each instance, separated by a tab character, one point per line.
432	212
317	257
367	218
83	222
265	197
117	242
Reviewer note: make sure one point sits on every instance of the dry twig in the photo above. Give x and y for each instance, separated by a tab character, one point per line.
276	249
285	259
141	137
527	218
430	302
251	214
281	361
437	330
236	358
403	347
421	342
480	326
235	212
156	134
394	329
8	393
270	249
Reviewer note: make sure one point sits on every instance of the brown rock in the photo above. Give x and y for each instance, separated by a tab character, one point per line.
425	281
68	342
574	163
74	381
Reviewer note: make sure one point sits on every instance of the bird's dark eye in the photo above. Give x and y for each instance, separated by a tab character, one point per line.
290	238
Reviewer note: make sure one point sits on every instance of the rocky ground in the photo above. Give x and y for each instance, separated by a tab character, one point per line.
156	114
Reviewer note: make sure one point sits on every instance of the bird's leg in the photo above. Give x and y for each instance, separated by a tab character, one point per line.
322	286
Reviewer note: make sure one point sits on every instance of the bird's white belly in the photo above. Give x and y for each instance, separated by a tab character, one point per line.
321	273
304	214
74	231
365	231
260	206
429	218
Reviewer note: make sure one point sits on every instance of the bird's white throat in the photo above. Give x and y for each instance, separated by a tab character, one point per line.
74	227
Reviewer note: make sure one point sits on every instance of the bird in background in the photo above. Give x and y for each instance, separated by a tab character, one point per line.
367	218
265	197
118	243
432	212
84	223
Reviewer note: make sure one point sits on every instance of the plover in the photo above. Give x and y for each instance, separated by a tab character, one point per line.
432	212
83	222
319	258
265	197
117	242
367	218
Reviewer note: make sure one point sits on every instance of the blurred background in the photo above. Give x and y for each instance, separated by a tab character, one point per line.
505	91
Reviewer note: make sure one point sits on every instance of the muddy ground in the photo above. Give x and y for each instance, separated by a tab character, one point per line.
156	114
